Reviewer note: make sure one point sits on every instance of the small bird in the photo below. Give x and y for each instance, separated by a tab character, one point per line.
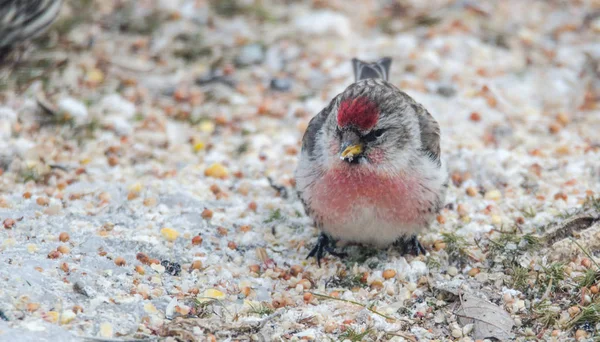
370	170
24	19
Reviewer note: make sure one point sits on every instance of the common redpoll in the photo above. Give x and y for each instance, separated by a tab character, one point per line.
24	19
370	170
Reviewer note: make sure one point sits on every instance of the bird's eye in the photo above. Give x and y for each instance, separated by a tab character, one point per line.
373	135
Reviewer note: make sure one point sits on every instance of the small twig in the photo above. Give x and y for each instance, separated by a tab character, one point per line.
586	253
355	303
403	335
102	339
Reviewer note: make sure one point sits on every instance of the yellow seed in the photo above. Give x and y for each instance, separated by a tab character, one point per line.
216	170
169	234
52	316
67	316
496	219
199	146
211	294
136	188
207	126
389	273
106	330
95	76
493	195
85	161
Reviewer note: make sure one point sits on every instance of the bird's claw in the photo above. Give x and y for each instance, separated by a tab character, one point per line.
324	244
410	245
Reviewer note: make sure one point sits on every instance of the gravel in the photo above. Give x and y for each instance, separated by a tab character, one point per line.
152	197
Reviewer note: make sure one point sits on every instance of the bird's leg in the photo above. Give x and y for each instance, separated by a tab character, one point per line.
324	244
410	245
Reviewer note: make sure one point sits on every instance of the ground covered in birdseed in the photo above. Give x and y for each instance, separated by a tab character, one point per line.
147	151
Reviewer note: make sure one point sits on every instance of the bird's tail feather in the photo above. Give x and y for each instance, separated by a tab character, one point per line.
364	70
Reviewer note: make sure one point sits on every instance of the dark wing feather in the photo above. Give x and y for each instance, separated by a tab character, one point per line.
24	19
430	132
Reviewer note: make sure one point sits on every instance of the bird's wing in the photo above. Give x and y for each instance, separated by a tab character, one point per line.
430	132
23	19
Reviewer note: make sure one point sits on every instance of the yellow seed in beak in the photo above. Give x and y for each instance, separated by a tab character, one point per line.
352	151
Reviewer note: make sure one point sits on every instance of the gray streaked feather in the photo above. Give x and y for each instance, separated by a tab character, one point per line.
24	19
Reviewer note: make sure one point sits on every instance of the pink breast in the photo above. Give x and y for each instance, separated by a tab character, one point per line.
344	190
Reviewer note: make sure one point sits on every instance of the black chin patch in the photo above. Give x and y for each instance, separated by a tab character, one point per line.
355	160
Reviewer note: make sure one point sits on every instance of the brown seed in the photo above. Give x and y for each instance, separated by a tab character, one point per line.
150	201
215	189
246	290
457	178
554	128
471	191
574	310
222	231
9	223
254	268
307	297
377	284
585	262
63	249
54	255
196	265
113	161
64	237
132	195
140	269
252	206
31	307
438	245
207	214
143	258
520	220
197	240
475	117
231	245
594	289
305	283
389	274
64	267
119	261
245	228
42	200
562	119
441	219
580	334
561	196
296	269
474	271
335	294
77	309
27	195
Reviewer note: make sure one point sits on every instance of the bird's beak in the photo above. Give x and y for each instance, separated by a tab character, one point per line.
351	151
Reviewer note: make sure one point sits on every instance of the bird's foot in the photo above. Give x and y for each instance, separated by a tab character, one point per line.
410	245
324	244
